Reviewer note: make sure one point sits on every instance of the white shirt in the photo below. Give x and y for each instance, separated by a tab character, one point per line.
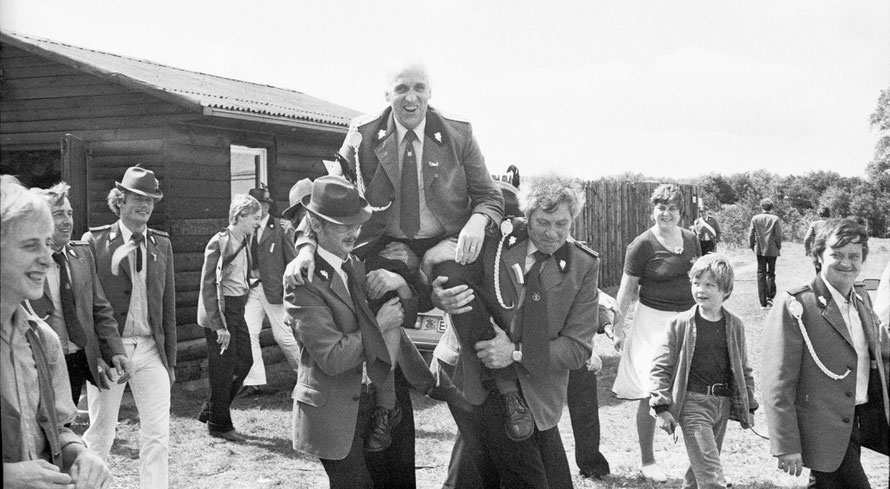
136	323
263	223
429	225
860	344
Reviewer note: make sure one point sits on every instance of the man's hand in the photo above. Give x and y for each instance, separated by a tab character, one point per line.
122	368
222	338
791	463
455	300
104	375
667	422
171	372
618	338
399	251
382	281
469	241
444	251
305	261
37	474
595	363
496	352
89	471
390	315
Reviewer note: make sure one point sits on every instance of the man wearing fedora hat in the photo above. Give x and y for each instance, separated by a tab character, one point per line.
271	249
338	336
135	267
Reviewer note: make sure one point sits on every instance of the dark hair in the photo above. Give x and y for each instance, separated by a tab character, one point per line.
847	231
667	193
766	204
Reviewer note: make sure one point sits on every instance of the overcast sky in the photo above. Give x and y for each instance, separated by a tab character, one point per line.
665	88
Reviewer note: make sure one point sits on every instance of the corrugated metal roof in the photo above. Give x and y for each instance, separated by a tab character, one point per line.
215	92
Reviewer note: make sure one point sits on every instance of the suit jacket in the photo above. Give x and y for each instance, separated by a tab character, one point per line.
93	309
765	234
456	181
159	282
702	231
329	379
673	359
807	411
211	300
276	250
569	278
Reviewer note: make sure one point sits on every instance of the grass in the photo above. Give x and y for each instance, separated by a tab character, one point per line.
268	461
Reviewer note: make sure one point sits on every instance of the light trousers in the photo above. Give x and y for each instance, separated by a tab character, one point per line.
255	310
150	384
703	421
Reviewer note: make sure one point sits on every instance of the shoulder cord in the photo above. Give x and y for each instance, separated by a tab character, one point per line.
797	312
497	274
355	140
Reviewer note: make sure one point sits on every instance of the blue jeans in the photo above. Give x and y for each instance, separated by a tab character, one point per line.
703	420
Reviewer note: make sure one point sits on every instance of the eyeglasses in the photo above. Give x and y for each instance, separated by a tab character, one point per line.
344	228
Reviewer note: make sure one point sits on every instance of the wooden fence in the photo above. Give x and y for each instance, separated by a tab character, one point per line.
615	214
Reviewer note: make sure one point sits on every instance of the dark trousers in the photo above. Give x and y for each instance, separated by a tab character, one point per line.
352	471
227	370
850	474
391	468
537	463
78	372
585	417
707	247
766	278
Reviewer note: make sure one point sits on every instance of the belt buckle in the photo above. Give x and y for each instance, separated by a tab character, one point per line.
712	389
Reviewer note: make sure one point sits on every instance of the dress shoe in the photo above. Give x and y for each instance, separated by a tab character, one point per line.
519	425
653	472
380	432
204	414
250	391
231	435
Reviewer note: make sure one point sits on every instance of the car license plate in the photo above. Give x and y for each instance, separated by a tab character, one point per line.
432	323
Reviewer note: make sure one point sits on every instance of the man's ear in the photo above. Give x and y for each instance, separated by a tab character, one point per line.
388	96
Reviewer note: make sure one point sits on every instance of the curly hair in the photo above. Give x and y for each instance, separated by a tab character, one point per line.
667	193
549	192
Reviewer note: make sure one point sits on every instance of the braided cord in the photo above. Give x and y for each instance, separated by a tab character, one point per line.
822	367
497	274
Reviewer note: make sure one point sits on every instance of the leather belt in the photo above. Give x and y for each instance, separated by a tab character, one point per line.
719	389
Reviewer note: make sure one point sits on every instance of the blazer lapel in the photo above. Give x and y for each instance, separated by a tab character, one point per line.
267	233
115	241
553	269
324	270
830	311
387	151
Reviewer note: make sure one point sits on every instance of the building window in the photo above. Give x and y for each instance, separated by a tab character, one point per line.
249	168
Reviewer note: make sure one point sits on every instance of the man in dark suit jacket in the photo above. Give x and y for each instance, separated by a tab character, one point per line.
135	266
765	238
542	351
89	336
825	362
271	249
338	335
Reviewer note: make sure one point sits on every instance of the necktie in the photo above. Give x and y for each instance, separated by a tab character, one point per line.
376	355
137	239
409	212
66	296
254	252
535	328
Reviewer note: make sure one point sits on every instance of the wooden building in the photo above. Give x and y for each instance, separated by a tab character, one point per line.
85	116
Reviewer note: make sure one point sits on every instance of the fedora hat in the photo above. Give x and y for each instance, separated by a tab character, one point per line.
335	199
140	181
297	192
261	194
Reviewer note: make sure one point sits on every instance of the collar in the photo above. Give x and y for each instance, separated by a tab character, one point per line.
265	221
837	296
531	248
333	260
126	233
402	130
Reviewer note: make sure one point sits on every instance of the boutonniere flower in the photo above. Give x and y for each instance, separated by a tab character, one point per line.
823	301
520	277
438	136
324	274
511	241
434	164
562	265
381	134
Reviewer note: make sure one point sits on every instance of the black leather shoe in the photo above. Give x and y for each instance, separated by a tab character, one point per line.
231	435
380	432
519	425
204	414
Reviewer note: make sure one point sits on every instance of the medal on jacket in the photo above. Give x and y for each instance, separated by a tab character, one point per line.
796	310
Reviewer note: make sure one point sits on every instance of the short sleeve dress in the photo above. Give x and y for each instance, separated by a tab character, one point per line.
664	291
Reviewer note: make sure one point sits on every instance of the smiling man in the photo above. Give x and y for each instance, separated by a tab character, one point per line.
825	361
135	266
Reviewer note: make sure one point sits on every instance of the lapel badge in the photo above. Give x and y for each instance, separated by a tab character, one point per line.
72	253
381	134
433	164
823	301
562	265
511	241
438	136
324	274
520	277
536	296
154	256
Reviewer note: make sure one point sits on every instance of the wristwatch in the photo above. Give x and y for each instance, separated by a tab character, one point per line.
517	352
